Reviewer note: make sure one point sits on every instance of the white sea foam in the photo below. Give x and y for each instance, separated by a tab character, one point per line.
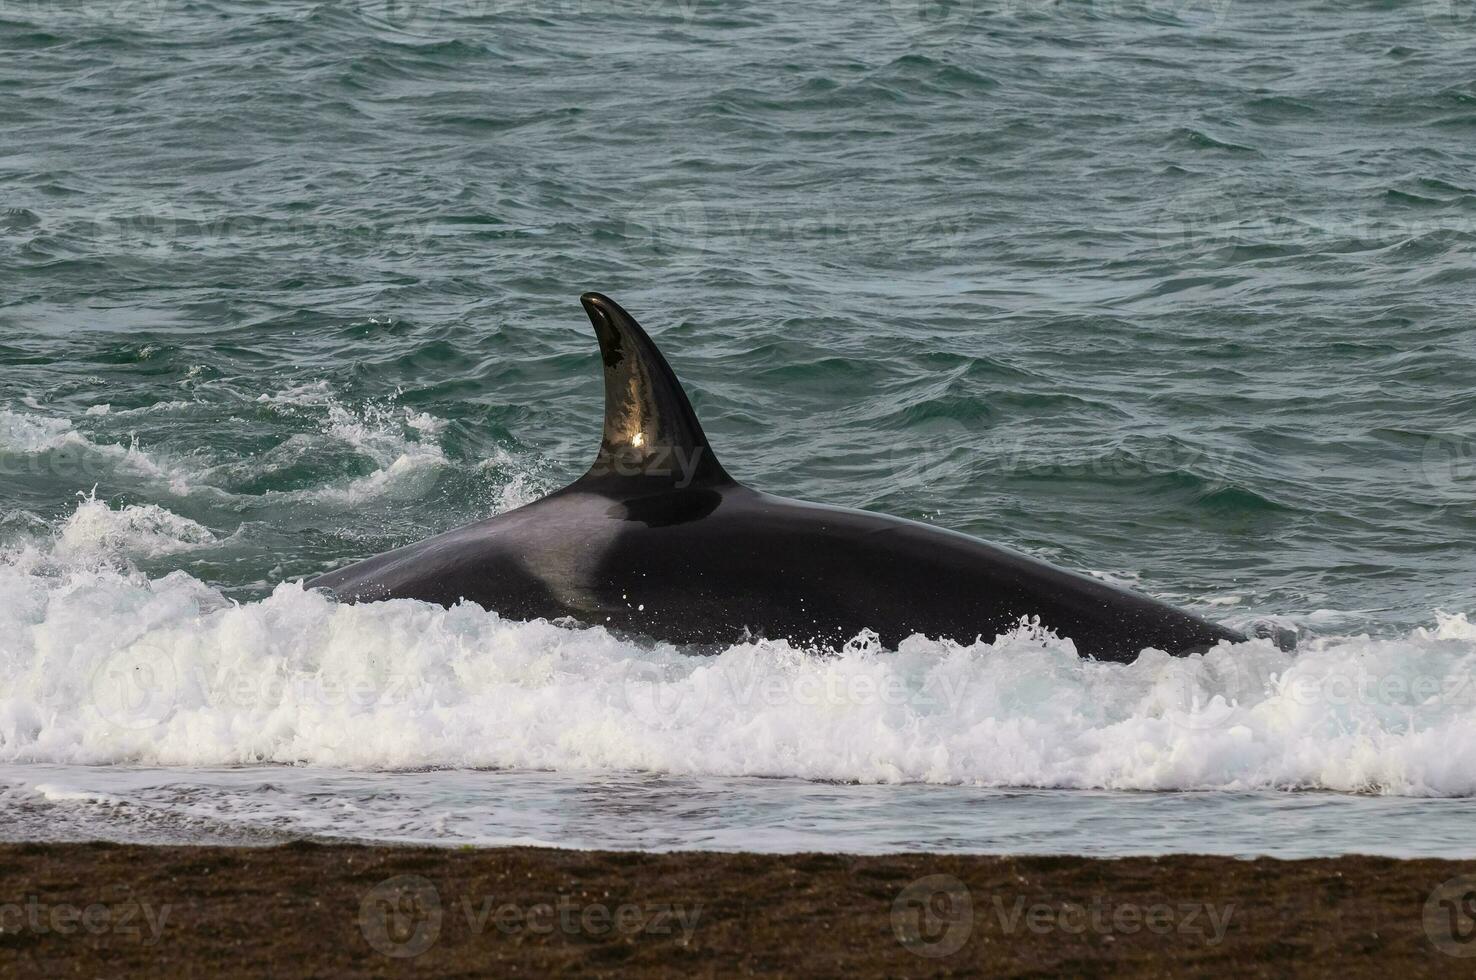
402	445
23	434
528	481
96	532
100	664
62	794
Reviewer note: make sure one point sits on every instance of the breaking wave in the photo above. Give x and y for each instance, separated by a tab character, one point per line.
100	663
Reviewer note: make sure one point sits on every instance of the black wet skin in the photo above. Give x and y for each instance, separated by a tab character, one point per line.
657	540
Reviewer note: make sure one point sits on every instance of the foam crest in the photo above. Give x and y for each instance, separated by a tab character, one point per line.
100	665
23	435
96	532
402	445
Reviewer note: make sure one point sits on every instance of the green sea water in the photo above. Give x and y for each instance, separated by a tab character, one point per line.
1176	292
1180	292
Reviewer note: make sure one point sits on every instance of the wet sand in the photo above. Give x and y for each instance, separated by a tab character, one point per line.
335	910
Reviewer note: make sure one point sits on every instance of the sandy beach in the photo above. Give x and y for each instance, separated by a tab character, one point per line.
333	910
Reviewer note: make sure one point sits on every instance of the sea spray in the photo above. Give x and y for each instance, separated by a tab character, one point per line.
100	663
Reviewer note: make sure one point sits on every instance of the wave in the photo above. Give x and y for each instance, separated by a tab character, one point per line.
24	434
400	445
104	665
95	533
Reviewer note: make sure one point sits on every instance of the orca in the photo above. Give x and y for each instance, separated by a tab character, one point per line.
658	541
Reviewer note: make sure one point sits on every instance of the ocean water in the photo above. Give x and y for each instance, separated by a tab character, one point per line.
1177	292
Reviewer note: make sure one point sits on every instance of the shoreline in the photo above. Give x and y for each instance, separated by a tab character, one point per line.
312	909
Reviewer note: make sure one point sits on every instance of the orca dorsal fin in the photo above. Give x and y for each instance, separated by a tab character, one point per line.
652	436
